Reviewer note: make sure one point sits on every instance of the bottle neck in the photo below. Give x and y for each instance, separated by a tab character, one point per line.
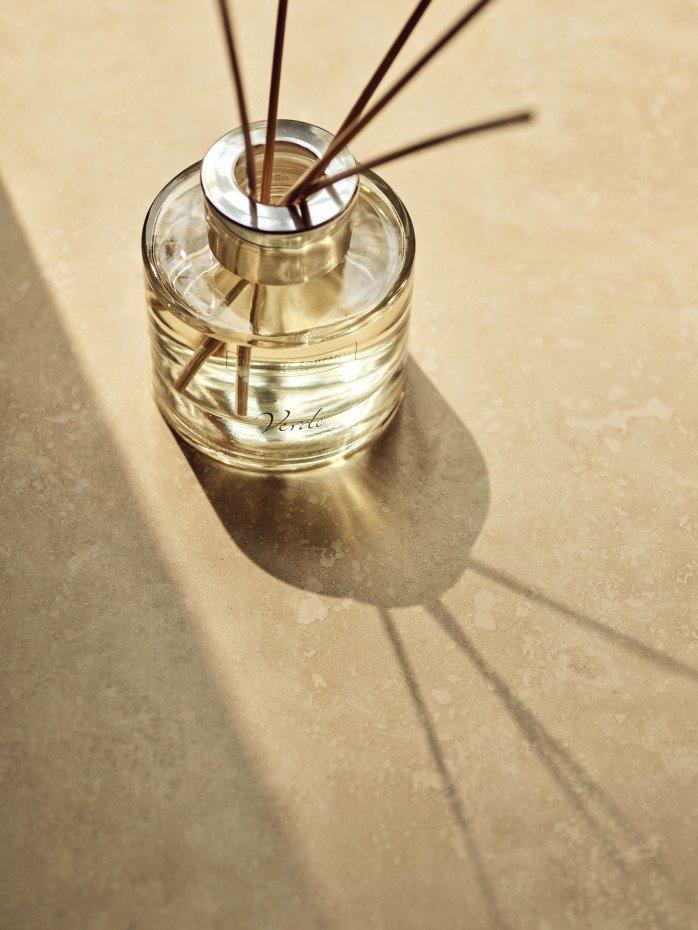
269	243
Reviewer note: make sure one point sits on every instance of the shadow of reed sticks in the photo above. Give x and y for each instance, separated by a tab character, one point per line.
575	783
621	640
452	794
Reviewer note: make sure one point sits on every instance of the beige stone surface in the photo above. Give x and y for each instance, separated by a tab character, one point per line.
451	684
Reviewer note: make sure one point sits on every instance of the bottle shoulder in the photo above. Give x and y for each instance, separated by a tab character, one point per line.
186	278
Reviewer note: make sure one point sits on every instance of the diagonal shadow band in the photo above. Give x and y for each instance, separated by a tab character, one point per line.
130	794
495	918
622	640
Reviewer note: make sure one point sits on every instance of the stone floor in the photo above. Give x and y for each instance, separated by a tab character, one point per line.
451	684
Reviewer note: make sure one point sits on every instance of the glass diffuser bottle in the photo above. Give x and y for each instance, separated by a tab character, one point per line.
306	307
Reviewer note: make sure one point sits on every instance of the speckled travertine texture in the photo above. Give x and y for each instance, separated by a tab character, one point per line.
451	684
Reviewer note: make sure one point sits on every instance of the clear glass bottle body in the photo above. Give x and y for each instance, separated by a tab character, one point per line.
322	369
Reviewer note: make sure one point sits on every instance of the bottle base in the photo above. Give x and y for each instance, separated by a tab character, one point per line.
326	449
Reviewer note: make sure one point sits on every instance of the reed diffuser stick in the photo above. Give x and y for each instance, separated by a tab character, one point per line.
208	347
427	143
273	107
244	355
240	94
385	63
300	187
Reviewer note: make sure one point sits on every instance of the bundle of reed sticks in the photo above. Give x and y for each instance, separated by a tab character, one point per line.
314	178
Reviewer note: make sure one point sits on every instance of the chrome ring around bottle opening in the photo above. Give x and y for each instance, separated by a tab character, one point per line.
222	190
271	244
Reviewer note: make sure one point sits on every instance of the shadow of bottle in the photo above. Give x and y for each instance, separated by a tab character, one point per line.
392	526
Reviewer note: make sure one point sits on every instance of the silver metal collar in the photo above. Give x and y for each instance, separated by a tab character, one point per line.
220	185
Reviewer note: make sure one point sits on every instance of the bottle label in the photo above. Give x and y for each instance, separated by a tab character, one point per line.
280	423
